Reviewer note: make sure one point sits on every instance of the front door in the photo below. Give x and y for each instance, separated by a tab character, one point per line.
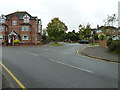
12	38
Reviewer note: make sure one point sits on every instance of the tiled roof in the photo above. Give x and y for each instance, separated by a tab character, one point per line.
19	14
107	27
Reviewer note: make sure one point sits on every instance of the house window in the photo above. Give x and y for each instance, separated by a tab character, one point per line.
24	37
2	19
24	28
26	18
14	22
118	30
1	29
1	37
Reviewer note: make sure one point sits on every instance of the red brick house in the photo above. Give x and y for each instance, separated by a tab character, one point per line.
21	26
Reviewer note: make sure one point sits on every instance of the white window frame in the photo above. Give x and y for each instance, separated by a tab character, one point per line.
118	30
26	18
25	28
2	20
1	37
14	22
23	37
2	29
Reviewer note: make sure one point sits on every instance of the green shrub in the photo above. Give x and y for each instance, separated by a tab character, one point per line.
101	36
96	37
16	41
114	46
109	41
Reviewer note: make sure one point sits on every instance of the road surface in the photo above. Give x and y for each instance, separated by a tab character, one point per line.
58	67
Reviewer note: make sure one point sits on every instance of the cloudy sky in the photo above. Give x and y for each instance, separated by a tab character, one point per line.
71	12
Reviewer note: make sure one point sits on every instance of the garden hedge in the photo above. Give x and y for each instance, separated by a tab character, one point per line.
114	46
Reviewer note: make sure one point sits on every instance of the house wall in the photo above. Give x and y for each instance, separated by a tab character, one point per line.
103	43
32	33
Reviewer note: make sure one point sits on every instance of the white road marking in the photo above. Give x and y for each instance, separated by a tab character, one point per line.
71	66
32	53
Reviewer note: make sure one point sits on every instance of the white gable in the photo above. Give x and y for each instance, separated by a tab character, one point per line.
12	33
26	16
2	17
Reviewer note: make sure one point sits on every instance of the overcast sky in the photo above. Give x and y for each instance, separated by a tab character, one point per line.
71	12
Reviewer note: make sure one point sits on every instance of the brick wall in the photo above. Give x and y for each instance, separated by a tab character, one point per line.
103	43
31	33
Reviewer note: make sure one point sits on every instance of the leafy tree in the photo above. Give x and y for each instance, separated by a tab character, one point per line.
111	20
96	36
101	36
56	29
72	36
77	36
85	31
81	31
63	37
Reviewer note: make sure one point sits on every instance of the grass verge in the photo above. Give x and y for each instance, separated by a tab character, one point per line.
94	43
56	44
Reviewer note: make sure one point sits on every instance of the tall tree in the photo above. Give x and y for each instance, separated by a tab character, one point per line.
81	31
72	36
85	31
56	29
111	20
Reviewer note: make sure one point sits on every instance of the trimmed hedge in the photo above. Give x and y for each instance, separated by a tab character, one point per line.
114	46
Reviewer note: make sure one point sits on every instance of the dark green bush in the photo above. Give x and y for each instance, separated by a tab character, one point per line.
96	37
114	46
109	41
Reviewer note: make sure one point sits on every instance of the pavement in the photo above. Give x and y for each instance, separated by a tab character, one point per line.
58	67
0	78
5	83
101	53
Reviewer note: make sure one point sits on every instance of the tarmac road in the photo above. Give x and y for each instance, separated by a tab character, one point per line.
58	67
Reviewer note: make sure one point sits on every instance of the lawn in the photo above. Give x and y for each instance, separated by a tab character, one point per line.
94	43
56	44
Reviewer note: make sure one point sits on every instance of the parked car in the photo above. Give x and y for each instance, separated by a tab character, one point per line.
84	41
